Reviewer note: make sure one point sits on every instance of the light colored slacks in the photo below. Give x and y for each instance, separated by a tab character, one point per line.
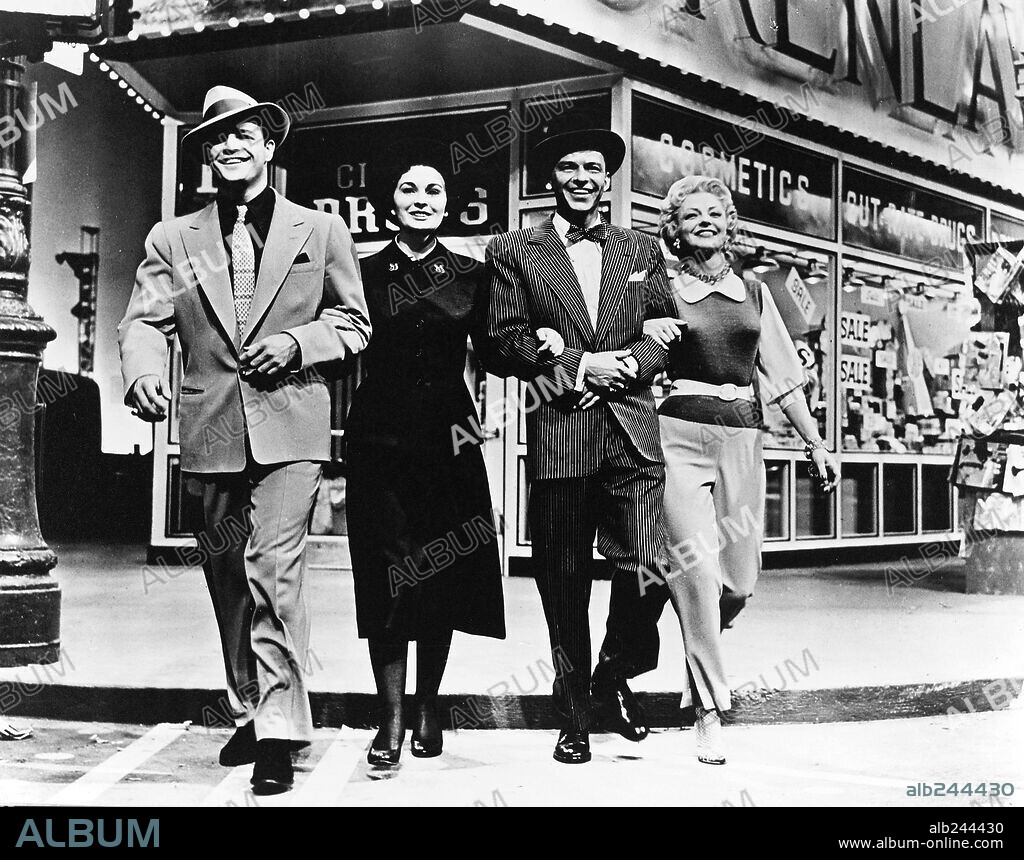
714	523
253	537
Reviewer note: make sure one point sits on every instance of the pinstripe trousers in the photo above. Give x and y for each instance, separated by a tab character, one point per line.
622	504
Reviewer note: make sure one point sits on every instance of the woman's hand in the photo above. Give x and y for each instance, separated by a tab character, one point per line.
825	467
551	343
664	329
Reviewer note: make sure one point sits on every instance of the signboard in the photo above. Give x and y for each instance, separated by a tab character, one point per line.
801	296
346	168
934	78
855	330
772	183
883	214
855	372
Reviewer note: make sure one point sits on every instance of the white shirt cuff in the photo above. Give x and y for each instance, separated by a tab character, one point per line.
582	372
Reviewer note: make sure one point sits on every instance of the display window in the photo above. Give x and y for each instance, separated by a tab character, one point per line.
901	364
802	284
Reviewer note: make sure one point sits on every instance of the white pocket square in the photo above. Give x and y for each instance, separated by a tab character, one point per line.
638	276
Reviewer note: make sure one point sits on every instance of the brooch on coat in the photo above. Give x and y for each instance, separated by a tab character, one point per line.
438	268
392	267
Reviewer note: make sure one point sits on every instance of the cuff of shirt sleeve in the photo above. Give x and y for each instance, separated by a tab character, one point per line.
582	372
789	398
297	358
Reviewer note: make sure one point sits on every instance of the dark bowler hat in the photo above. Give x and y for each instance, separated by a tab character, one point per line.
561	140
225	107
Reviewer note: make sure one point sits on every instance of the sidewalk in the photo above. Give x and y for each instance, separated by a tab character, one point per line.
835	641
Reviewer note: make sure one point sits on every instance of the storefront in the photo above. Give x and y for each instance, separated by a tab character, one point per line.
860	156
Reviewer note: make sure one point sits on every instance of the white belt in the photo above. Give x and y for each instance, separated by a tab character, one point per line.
722	392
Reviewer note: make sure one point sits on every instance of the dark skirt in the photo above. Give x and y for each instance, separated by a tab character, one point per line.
424	543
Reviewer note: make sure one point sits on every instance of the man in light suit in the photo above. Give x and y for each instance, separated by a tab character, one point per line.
594	451
259	291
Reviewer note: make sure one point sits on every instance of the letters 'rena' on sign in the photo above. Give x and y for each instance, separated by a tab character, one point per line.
883	69
773	183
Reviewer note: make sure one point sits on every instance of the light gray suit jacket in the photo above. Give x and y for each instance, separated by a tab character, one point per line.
308	286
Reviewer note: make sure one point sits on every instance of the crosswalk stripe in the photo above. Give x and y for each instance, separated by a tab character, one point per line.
323	787
826	776
91	785
232	790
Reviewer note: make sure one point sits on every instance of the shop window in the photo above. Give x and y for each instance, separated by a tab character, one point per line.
776	501
936	499
860	499
815	509
801	286
901	338
899	498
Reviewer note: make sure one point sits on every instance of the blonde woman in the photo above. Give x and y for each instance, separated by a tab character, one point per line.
733	341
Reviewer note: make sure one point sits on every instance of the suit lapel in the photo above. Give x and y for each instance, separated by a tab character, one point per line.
208	258
554	264
288	233
615	266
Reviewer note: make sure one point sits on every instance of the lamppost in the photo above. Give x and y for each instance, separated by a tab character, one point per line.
29	595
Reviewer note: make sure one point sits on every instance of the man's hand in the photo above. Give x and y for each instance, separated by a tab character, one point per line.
612	370
588	399
149	398
550	344
269	356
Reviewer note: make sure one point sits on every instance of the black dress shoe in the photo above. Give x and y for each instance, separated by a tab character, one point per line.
381	752
427	739
272	773
241	749
617	708
572	748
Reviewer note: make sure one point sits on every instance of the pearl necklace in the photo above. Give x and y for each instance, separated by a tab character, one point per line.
701	275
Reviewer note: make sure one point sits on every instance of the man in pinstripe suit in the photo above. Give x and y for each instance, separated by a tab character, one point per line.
594	451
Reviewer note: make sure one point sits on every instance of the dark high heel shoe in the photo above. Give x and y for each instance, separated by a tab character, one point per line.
427	739
384	752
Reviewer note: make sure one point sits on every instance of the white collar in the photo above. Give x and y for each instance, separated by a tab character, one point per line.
692	290
416	256
562	226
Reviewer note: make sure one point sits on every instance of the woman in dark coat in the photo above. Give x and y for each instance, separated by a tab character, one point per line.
421	528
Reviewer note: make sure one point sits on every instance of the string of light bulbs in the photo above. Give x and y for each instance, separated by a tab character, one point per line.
128	89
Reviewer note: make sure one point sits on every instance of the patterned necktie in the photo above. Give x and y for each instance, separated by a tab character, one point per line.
243	261
598	233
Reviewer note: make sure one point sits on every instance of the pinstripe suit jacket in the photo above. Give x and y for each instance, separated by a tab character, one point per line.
533	284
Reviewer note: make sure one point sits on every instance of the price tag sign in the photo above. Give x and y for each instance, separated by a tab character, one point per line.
801	296
855	330
855	372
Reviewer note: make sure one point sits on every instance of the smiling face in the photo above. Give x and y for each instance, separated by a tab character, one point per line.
579	179
420	199
703	223
241	155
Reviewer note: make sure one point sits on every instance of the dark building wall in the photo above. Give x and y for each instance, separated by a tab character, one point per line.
99	163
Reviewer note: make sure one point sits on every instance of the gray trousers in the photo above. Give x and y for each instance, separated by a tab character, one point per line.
253	539
714	523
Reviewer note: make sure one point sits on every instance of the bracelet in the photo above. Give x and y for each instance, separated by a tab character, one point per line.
812	446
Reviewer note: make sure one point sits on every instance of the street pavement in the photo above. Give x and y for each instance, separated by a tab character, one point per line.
864	764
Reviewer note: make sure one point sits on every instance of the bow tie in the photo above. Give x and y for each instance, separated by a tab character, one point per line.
598	233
